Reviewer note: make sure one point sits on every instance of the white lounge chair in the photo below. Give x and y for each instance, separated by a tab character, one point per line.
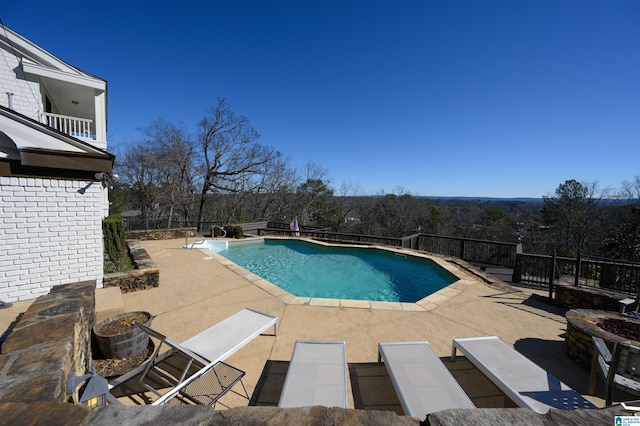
421	380
196	366
520	379
618	369
223	339
317	375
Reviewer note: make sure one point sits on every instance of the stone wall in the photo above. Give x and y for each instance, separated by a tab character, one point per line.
582	325
577	343
572	297
161	234
318	416
146	274
51	339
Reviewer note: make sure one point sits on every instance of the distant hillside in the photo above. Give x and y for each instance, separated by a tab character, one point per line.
521	199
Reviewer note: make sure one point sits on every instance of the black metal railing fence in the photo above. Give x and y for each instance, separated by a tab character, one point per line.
543	270
531	269
470	250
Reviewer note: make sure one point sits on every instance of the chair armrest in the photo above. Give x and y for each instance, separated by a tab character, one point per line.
600	362
601	347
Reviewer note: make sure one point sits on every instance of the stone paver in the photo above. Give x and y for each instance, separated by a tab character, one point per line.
362	304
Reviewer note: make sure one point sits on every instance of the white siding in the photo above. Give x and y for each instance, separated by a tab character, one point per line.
50	234
27	99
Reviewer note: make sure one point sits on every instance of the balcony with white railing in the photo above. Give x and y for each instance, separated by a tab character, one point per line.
81	128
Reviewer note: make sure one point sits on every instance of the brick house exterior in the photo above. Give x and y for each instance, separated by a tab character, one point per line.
53	171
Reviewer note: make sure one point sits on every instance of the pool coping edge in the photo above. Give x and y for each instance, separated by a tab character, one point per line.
430	302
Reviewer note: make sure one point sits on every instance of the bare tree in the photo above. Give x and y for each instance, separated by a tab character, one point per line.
631	191
622	236
315	171
230	153
136	167
348	195
173	152
273	195
256	192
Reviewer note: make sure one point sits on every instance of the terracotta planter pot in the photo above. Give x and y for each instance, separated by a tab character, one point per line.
117	337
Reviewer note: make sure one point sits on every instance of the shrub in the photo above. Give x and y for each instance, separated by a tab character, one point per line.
115	243
218	232
234	231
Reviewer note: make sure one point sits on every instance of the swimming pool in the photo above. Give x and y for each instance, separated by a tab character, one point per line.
306	269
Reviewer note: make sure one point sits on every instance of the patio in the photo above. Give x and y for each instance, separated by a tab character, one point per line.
197	291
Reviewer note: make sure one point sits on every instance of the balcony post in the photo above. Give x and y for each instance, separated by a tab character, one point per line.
101	117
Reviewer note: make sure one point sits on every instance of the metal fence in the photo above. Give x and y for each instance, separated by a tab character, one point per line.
336	236
470	250
532	269
620	276
544	271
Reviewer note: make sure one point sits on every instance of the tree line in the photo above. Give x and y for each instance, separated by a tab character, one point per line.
221	174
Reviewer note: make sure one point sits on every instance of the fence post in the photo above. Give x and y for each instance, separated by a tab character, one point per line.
552	275
578	267
462	249
516	276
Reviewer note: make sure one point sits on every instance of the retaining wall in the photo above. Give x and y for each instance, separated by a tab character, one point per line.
572	297
146	274
161	234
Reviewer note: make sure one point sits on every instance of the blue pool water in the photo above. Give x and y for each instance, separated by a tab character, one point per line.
311	270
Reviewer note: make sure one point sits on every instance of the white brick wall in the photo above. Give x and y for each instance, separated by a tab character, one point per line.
50	234
27	99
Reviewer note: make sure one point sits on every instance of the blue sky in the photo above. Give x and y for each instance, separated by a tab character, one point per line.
440	98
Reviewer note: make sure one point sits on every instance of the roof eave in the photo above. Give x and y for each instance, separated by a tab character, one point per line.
66	160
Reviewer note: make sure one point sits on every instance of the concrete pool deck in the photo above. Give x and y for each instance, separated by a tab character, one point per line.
197	291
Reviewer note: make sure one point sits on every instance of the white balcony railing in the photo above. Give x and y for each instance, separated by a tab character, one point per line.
74	126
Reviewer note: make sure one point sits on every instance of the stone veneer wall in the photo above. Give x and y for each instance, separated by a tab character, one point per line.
161	234
144	276
572	297
51	339
582	325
